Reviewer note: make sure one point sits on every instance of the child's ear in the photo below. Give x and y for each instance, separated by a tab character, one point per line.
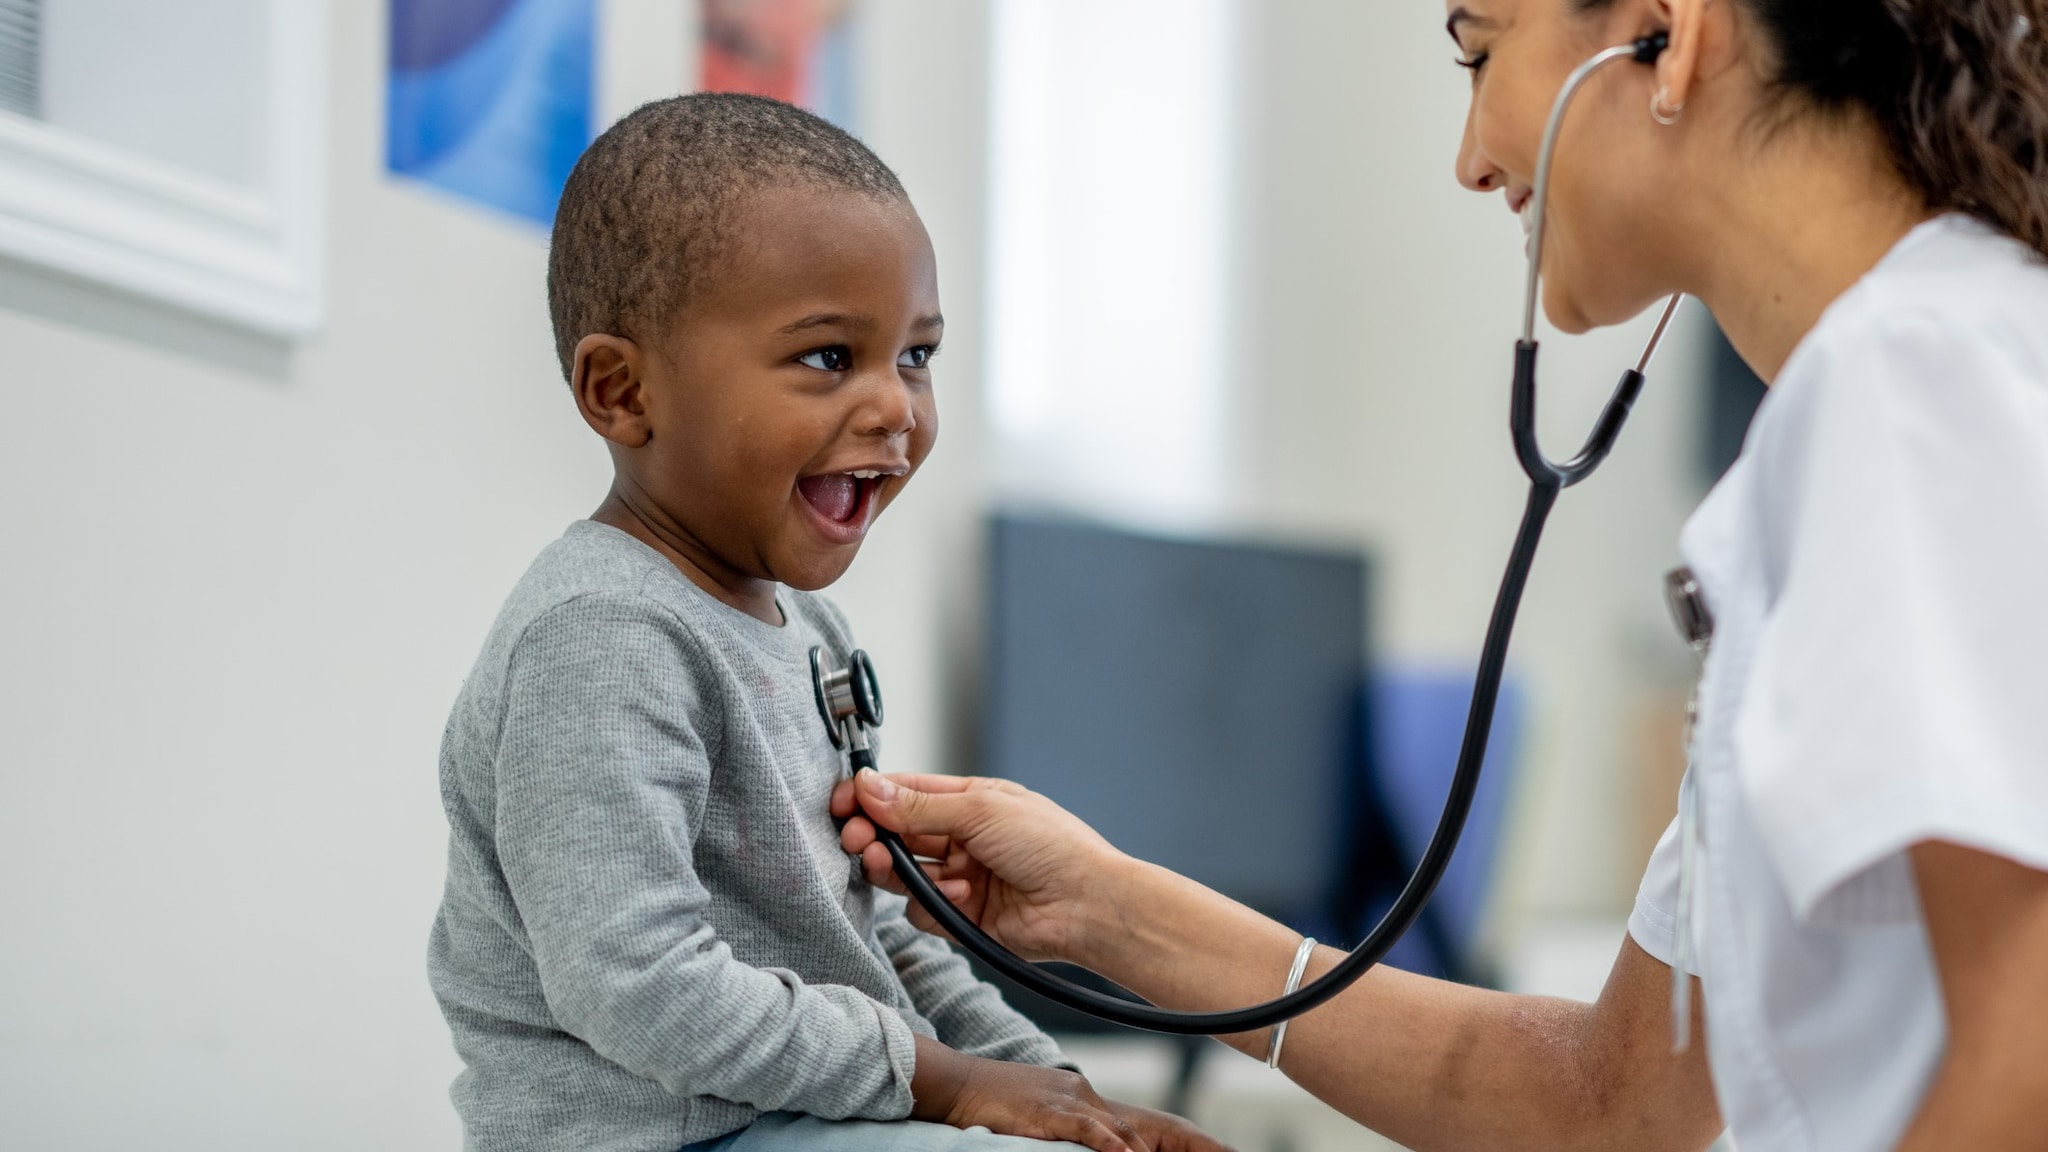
610	384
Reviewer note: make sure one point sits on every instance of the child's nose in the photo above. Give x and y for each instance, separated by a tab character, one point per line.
890	409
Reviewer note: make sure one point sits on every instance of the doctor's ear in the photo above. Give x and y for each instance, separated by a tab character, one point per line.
610	385
1698	39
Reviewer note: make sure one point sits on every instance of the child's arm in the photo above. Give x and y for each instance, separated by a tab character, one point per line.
600	778
968	1014
973	1019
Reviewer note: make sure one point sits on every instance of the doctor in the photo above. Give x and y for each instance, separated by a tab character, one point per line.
1859	191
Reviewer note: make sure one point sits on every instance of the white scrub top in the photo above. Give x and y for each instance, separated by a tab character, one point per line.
1877	564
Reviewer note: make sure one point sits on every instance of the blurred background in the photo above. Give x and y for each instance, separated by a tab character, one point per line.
1206	550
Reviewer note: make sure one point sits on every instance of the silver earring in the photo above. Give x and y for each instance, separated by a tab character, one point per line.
1658	104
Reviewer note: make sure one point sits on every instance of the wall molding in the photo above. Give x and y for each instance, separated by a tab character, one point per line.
251	256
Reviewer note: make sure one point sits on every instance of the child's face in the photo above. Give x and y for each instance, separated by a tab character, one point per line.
792	402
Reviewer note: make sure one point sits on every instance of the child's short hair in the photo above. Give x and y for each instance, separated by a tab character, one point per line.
641	218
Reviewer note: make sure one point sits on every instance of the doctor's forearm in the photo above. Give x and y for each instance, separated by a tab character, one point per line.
1427	1063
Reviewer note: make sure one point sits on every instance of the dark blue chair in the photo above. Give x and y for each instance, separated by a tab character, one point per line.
1414	721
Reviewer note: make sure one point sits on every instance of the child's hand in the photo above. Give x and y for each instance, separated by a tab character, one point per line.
965	1091
1166	1132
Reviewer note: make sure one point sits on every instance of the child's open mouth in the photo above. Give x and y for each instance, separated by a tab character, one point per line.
844	498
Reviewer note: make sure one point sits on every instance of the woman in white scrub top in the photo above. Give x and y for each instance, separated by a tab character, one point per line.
1859	191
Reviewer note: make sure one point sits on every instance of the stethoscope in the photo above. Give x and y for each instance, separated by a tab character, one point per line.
850	699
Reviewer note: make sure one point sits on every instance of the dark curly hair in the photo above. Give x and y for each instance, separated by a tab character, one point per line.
642	221
1960	88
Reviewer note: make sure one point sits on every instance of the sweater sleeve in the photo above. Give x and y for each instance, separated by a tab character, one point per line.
600	780
968	1014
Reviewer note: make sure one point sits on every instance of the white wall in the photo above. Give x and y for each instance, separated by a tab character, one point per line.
241	584
1112	225
242	589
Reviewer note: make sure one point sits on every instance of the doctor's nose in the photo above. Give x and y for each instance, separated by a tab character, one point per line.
1476	170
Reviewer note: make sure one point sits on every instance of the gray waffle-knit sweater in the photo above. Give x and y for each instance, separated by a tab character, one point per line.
649	934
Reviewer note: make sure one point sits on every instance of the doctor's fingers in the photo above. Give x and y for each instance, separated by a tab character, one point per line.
857	835
844	802
937	782
955	806
846	795
965	894
949	866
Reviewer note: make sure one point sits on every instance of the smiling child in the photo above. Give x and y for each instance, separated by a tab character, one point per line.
649	935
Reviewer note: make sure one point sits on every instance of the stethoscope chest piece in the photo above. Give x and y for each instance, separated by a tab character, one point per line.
1688	605
849	697
1695	620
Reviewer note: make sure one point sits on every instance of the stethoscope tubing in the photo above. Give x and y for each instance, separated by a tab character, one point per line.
1399	918
1547	481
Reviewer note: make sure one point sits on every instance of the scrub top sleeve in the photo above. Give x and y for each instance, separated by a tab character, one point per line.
1897	694
1653	924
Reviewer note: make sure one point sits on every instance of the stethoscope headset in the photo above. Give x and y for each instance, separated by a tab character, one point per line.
850	699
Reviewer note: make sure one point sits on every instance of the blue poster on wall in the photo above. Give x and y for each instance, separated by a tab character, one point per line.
491	99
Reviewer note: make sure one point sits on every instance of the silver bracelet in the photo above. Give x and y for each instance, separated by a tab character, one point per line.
1301	955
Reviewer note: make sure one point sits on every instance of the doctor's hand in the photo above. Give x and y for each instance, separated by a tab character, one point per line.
1027	871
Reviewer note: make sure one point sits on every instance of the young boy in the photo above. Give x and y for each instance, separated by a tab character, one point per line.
650	937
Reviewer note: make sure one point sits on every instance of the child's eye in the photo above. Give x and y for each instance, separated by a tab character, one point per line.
837	358
918	357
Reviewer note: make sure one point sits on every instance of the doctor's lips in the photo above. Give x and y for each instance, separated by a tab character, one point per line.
847	497
1519	200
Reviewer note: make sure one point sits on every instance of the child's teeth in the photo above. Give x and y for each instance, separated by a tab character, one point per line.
866	474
